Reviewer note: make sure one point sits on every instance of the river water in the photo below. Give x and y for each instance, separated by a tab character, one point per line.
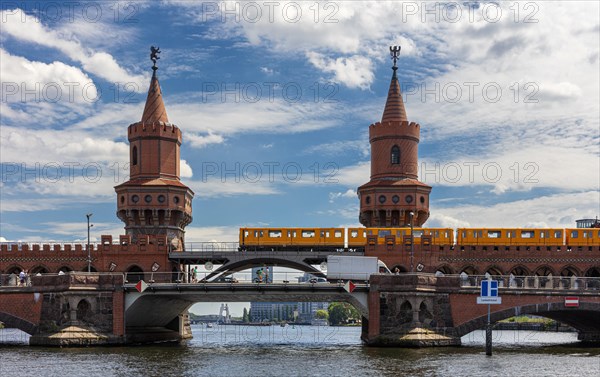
305	351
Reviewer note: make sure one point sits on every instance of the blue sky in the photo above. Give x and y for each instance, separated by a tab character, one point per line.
507	97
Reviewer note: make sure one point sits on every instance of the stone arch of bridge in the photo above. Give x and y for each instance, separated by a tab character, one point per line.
584	318
12	322
160	310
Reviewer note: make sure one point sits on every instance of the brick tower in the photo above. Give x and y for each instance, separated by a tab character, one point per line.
154	201
394	190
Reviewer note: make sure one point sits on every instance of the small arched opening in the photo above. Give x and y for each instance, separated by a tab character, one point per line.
405	313
134	274
425	315
134	156
569	278
592	277
64	269
395	155
84	311
38	270
444	270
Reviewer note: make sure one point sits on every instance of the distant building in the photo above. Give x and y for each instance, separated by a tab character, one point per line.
308	310
588	223
272	311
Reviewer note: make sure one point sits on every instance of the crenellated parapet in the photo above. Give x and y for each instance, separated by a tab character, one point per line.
108	255
395	129
154	129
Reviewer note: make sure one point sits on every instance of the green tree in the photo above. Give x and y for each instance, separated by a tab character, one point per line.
322	314
340	313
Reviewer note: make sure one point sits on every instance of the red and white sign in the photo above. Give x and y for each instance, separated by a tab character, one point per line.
349	286
571	302
141	286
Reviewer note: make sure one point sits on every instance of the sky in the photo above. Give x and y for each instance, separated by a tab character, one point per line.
275	98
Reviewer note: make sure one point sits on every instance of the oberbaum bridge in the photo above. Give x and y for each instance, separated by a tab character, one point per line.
65	304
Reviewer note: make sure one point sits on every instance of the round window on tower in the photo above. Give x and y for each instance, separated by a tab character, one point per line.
161	198
395	199
381	199
409	198
148	198
176	199
135	198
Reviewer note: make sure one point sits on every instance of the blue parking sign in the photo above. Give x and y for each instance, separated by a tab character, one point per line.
489	288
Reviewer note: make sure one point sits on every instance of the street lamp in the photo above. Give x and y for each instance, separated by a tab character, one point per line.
89	259
412	240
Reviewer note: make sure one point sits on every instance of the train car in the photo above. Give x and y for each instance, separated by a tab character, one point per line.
582	237
509	237
357	238
291	238
439	236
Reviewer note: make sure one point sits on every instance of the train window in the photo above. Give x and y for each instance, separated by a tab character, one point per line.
354	234
527	234
558	234
337	234
437	233
262	233
417	233
364	234
398	233
370	232
294	233
494	234
574	234
327	234
256	233
288	233
543	234
511	234
322	233
308	233
275	233
464	234
383	233
246	233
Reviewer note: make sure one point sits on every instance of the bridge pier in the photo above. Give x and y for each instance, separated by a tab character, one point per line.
407	311
589	337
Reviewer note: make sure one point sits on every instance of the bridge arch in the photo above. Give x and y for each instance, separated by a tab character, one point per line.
545	271
445	269
520	270
593	272
39	269
65	269
13	322
261	261
469	270
14	269
583	318
569	271
494	270
134	273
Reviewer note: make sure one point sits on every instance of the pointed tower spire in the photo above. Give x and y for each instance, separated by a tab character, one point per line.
394	106
154	111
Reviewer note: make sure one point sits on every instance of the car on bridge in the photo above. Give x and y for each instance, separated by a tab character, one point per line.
226	279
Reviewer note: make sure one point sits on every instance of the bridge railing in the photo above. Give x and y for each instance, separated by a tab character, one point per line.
72	278
235	278
534	282
211	246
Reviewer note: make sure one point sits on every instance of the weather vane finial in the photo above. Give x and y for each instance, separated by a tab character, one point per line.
395	53
154	51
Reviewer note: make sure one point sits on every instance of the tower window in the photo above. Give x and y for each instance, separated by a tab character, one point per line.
134	156
395	155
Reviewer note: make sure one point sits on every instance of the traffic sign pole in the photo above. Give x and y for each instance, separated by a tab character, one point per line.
488	335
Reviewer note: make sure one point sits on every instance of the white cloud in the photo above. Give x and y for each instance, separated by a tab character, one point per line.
24	81
350	193
215	188
354	71
559	210
185	170
26	27
199	141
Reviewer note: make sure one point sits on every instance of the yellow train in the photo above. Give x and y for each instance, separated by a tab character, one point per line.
340	239
334	238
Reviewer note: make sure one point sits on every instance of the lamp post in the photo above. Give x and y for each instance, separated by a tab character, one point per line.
89	259
412	240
